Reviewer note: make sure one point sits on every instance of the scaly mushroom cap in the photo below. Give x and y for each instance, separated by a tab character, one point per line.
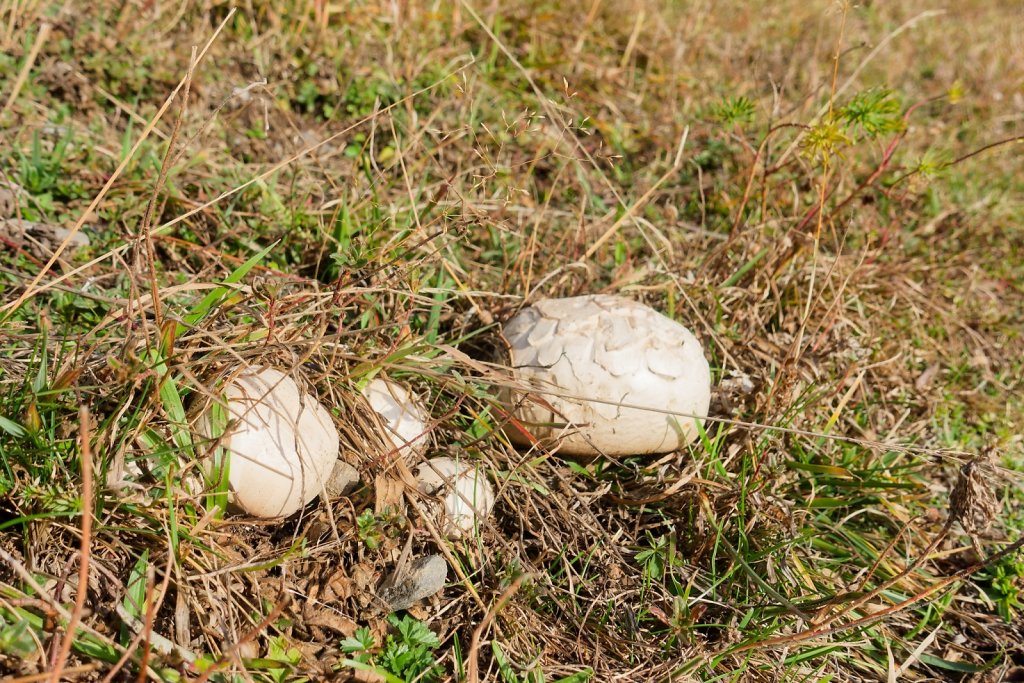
614	357
281	443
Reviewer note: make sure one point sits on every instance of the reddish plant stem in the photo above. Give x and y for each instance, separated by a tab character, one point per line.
964	157
85	455
753	170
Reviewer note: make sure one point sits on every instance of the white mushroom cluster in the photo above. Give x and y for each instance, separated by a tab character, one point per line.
594	375
597	374
605	374
278	449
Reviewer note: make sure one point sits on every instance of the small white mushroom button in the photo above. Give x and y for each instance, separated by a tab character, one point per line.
462	495
404	420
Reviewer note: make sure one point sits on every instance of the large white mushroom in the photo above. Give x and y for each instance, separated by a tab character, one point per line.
463	497
280	443
404	420
606	375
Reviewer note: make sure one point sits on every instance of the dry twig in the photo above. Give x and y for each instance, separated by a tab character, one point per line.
85	454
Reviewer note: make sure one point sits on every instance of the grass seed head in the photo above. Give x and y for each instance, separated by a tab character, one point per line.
973	502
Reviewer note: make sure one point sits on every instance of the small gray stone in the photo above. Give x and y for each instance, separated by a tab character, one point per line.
426	577
41	239
343	479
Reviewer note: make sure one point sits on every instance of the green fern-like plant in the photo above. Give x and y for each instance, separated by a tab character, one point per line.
872	113
407	655
825	140
735	111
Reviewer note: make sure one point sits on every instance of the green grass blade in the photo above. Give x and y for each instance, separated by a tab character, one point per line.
11	427
218	295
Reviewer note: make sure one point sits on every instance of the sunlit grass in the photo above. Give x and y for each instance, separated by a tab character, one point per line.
816	190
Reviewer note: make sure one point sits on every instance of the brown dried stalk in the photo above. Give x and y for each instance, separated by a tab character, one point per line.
33	287
472	667
165	167
898	607
85	450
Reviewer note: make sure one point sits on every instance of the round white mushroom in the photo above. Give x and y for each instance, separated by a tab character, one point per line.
404	420
280	443
465	495
606	375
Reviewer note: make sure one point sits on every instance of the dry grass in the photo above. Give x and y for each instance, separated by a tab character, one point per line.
419	171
